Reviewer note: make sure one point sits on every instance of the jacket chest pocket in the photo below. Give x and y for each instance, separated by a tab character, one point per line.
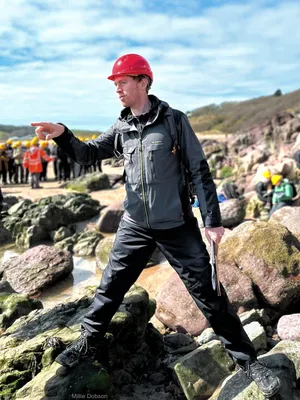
155	160
131	163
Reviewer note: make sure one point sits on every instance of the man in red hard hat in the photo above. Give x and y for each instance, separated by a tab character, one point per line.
160	149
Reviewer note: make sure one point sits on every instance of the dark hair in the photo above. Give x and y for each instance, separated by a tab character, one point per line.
149	81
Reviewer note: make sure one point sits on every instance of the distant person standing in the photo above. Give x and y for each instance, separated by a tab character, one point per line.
18	157
3	163
63	165
33	161
53	153
44	146
11	163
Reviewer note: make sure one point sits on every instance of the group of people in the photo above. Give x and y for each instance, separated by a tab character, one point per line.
27	162
21	162
275	191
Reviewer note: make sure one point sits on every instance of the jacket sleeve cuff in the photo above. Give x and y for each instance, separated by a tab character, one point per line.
65	136
210	222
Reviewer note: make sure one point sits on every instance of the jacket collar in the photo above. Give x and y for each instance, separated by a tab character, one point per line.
158	107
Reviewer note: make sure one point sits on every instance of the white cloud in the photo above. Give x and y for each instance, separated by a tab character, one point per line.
55	56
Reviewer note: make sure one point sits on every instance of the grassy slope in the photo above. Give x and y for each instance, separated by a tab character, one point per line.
231	117
228	117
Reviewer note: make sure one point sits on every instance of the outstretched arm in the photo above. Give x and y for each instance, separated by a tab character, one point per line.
82	152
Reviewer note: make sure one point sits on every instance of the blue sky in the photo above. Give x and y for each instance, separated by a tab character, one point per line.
55	55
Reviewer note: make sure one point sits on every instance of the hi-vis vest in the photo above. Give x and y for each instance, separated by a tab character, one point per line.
33	159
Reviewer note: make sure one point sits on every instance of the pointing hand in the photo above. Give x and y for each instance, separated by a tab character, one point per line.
47	130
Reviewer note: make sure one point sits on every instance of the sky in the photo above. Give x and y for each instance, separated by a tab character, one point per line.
55	56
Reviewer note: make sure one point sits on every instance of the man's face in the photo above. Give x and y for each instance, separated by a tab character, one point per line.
129	90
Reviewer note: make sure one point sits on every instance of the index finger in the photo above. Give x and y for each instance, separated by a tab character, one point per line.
44	124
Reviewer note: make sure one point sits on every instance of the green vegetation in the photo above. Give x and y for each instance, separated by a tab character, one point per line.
230	117
226	172
77	187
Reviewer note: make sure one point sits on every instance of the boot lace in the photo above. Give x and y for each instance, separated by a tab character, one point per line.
257	371
80	345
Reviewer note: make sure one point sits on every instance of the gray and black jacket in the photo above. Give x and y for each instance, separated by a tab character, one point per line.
155	182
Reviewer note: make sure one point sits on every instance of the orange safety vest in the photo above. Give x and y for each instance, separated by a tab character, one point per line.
33	159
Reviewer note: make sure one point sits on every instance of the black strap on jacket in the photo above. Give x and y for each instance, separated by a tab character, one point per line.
172	128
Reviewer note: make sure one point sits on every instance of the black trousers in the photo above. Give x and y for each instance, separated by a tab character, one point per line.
186	252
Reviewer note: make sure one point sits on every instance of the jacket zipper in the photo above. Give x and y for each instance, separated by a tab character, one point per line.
142	179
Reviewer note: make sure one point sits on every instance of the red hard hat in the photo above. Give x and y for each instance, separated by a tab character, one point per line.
131	64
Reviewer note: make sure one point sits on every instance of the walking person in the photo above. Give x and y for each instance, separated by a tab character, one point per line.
157	214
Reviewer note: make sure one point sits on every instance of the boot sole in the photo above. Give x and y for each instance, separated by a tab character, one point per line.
62	362
275	390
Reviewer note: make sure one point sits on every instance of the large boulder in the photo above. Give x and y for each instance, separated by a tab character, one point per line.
200	371
30	236
18	209
37	268
62	233
102	251
90	182
9	200
289	217
232	212
239	286
111	217
5	235
34	223
81	205
50	216
288	327
269	255
177	309
14	306
86	242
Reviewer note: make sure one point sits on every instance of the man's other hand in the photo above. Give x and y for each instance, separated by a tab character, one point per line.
47	130
214	234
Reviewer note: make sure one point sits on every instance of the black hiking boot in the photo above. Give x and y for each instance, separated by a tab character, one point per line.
268	383
85	347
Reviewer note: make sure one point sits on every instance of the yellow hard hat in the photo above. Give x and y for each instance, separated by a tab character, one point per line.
2	146
275	179
34	141
14	145
94	137
43	144
9	141
266	173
